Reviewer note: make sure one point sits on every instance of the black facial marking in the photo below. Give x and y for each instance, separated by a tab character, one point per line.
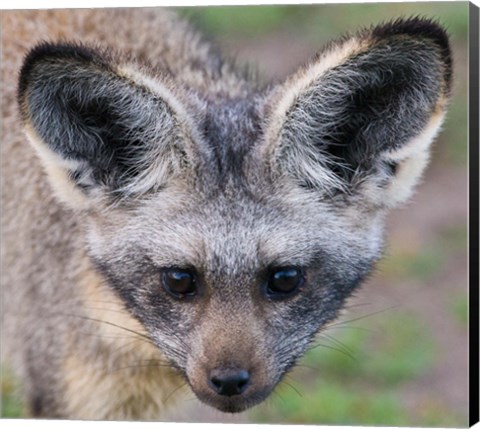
138	282
231	129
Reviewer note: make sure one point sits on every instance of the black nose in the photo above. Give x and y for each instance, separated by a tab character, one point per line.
229	381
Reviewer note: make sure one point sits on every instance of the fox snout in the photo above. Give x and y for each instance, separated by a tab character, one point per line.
229	388
228	368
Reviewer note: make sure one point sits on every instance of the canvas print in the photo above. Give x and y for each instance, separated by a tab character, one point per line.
236	214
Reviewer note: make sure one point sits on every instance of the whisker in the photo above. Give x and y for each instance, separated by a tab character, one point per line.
276	393
363	317
101	301
309	367
129	344
174	391
293	388
356	305
110	324
337	341
92	334
192	398
113	310
336	349
151	365
358	328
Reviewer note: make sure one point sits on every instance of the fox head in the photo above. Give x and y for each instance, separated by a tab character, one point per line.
233	227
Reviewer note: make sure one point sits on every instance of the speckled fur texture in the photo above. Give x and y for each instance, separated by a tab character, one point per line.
130	152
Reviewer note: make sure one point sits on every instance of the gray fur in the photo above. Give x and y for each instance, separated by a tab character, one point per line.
195	180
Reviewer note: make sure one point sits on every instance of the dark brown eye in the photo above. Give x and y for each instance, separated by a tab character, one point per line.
178	282
284	281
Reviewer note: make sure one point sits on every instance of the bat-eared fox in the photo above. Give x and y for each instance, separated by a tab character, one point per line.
168	219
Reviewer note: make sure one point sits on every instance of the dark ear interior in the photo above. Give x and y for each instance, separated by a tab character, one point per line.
373	103
104	125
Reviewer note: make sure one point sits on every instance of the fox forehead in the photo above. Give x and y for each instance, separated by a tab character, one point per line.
235	234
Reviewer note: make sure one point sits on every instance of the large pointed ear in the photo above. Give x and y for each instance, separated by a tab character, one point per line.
360	117
101	128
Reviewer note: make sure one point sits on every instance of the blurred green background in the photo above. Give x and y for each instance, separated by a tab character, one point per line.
399	356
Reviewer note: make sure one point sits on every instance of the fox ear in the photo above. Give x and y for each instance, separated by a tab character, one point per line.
360	117
100	128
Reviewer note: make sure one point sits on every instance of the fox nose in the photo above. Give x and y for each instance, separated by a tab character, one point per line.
229	381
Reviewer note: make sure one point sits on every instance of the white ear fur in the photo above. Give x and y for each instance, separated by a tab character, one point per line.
57	172
285	96
412	160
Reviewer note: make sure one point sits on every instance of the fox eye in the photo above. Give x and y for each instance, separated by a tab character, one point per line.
179	282
284	281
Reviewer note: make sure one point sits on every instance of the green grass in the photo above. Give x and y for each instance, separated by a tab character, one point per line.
459	308
317	22
329	402
335	388
239	21
454	237
11	406
421	264
401	351
405	261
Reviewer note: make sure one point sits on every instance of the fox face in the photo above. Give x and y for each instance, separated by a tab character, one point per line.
233	226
